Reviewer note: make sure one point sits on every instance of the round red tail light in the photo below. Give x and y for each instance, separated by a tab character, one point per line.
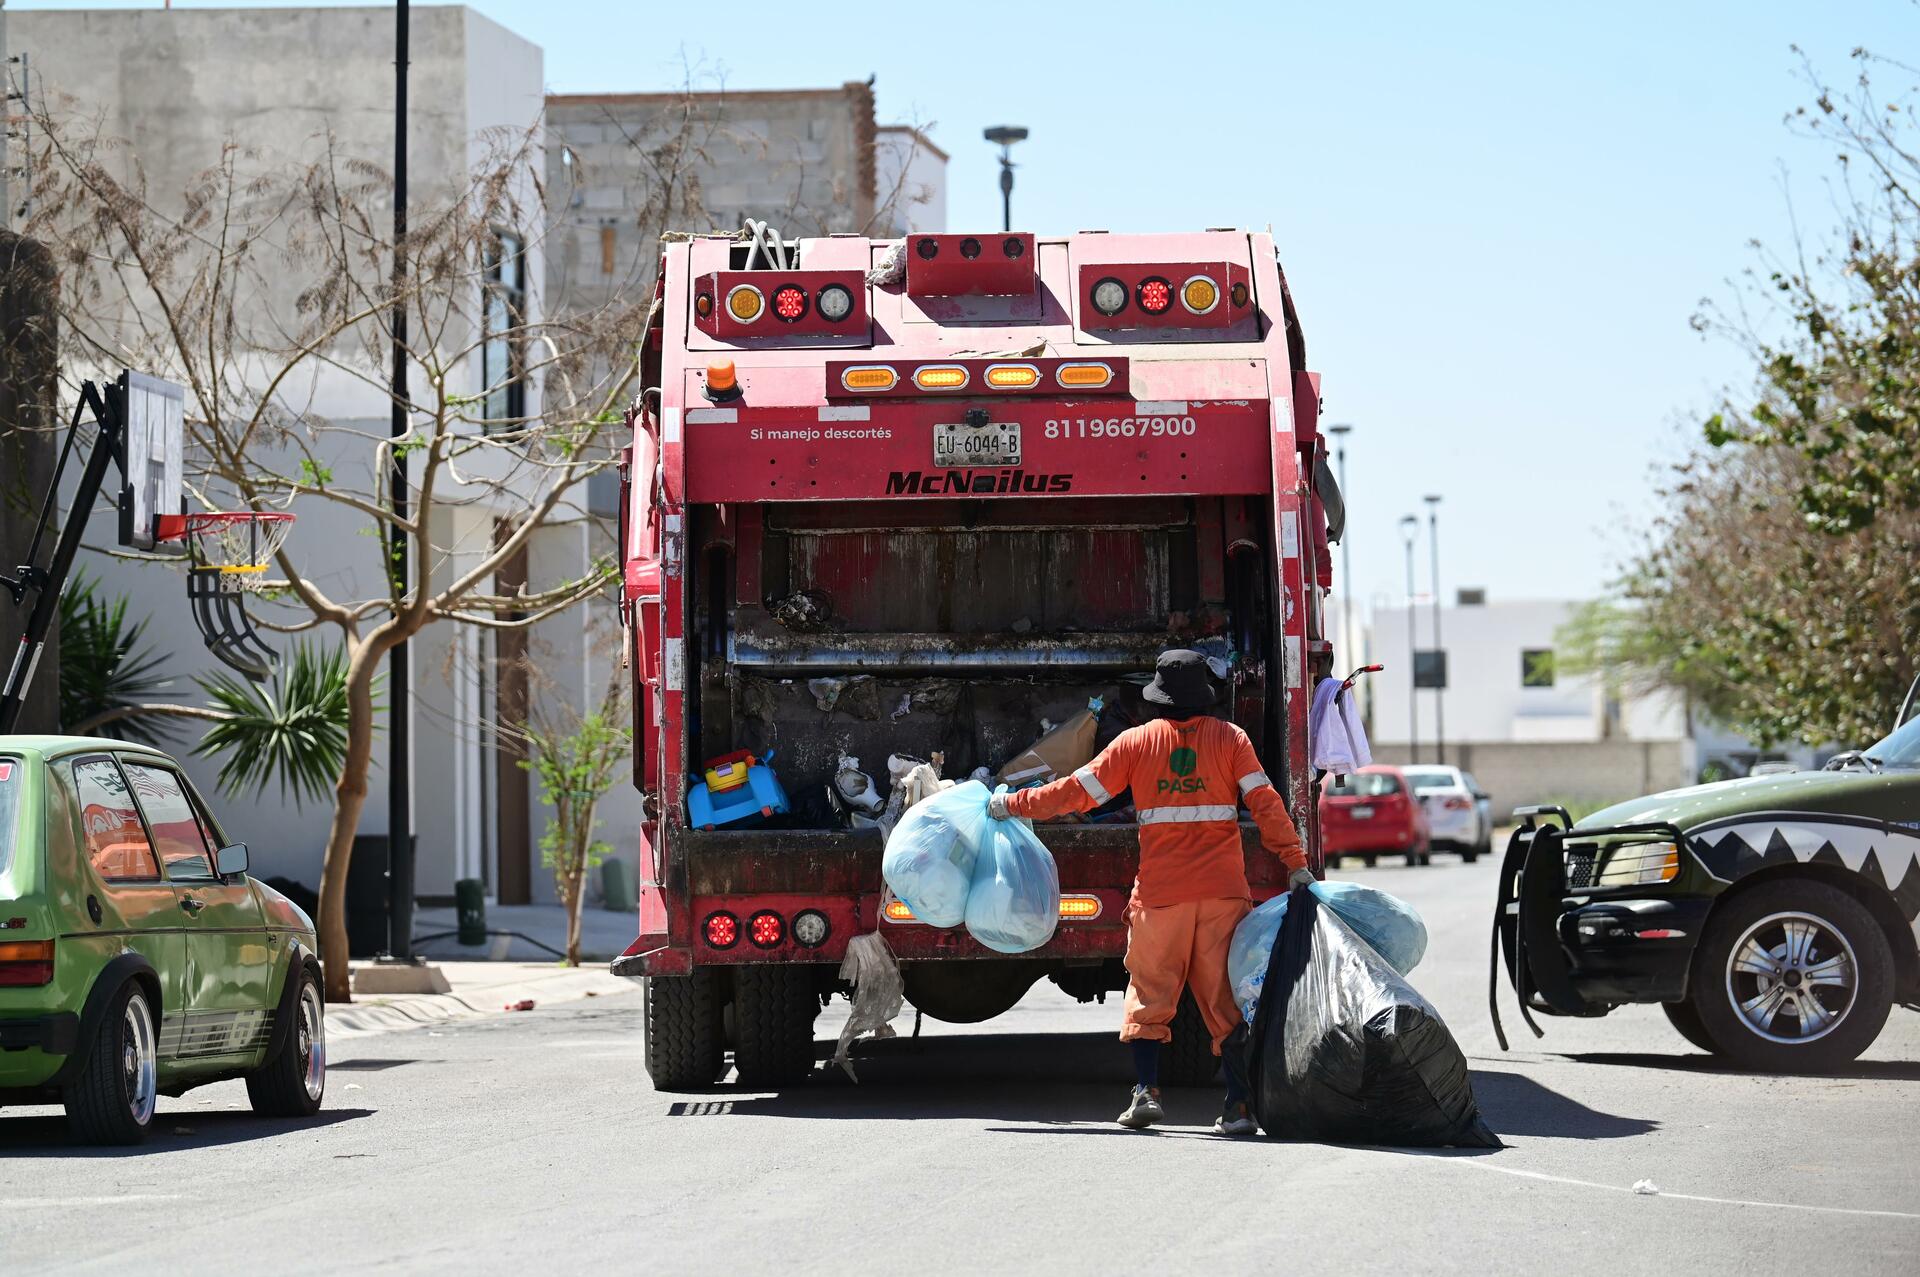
766	929
789	302
722	930
1155	295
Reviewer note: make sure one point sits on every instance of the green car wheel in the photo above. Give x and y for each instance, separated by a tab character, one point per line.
292	1083
113	1099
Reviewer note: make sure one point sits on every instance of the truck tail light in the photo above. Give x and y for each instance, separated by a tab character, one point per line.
1199	294
1079	908
868	377
811	928
835	303
1154	295
26	962
1013	376
745	303
766	929
1109	296
789	303
1083	376
897	911
941	377
722	929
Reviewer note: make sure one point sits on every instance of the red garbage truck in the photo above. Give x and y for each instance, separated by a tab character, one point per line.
921	499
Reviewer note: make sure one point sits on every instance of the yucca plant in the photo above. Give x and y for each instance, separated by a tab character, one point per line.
108	675
292	730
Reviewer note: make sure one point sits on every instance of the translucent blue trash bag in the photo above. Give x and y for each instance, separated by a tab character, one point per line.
1387	924
931	853
1013	905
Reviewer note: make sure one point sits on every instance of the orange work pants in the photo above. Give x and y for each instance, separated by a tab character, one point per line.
1176	947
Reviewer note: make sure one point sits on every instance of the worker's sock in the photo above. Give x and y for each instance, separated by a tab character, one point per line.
1146	1062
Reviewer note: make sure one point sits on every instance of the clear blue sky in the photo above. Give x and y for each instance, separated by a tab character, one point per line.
1496	218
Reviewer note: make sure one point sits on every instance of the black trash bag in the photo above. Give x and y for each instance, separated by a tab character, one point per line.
1345	1052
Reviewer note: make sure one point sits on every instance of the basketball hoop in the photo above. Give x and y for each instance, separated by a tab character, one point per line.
228	552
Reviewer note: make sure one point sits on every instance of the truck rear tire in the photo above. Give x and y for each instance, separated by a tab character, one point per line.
1793	976
682	1015
1189	1059
773	1012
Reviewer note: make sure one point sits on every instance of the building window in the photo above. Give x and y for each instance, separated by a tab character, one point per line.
1536	667
502	353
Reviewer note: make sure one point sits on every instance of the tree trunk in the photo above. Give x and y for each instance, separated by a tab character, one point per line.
580	836
349	798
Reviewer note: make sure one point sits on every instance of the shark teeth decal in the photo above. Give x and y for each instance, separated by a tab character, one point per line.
1731	849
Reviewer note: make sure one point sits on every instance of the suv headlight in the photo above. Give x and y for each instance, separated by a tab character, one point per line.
1639	864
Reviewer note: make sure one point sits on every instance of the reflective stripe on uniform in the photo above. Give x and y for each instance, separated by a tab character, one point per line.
1187	815
1091	783
1252	781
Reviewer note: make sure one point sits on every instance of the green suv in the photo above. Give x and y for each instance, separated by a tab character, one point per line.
137	958
1774	917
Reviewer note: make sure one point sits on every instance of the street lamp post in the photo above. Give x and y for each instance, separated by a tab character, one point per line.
1351	656
1004	136
1440	691
399	774
1409	529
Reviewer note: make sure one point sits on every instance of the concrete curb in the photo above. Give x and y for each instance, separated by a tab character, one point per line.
479	989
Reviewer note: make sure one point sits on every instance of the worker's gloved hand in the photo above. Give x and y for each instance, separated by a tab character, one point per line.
997	806
1301	877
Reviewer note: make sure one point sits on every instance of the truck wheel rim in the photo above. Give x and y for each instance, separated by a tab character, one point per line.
313	1041
138	1065
1792	978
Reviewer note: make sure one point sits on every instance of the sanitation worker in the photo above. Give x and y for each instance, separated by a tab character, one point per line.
1189	772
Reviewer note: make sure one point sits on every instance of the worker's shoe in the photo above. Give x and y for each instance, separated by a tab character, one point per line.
1237	1120
1143	1110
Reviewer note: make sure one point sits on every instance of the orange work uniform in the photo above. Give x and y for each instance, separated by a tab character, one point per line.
1188	777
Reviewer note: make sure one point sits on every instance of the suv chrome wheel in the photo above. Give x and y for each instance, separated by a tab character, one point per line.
1792	977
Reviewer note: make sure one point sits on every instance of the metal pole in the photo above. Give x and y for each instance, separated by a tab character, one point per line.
1439	693
1006	191
399	771
1409	529
1340	433
47	586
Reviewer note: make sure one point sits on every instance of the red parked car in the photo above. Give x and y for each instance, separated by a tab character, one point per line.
1372	811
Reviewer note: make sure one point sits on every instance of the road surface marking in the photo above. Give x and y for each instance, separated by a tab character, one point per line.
1685	1197
9	1203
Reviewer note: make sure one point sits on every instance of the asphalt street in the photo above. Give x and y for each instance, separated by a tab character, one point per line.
535	1140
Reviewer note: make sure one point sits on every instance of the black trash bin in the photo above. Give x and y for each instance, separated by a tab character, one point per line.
367	901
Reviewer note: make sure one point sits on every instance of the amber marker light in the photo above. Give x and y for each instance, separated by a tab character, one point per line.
897	912
745	303
869	377
1199	294
941	377
1013	376
1079	908
1083	376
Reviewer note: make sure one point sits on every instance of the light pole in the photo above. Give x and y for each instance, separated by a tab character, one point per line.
1004	136
399	747
1439	692
1340	433
1409	529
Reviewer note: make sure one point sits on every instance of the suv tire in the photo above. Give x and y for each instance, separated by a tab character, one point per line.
682	1018
774	1006
1188	1059
1686	1022
1757	947
112	1099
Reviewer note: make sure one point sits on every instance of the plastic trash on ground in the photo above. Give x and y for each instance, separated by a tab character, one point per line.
1386	922
1013	905
1344	1051
879	992
931	853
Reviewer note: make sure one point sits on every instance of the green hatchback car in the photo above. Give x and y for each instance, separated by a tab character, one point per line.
1776	918
137	957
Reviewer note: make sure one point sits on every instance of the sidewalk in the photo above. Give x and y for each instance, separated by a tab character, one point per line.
479	988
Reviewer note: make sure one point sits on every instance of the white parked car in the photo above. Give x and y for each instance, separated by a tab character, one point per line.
1458	813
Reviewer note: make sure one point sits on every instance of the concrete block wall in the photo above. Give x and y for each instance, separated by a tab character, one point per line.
1590	773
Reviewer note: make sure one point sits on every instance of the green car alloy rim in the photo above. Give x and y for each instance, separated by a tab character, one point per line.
1792	978
137	1061
313	1041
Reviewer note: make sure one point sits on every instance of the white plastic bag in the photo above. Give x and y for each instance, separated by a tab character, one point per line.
879	992
1013	905
931	853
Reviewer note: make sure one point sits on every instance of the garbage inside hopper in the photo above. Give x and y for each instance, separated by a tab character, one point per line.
739	788
1059	752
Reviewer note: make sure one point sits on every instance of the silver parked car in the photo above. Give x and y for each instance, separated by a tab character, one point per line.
1458	813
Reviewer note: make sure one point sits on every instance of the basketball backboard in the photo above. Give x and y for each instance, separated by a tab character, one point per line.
153	413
